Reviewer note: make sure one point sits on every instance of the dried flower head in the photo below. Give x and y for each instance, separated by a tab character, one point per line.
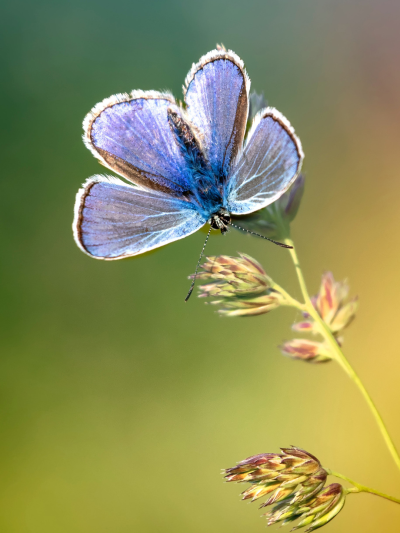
315	512
307	350
332	305
241	285
293	482
294	476
336	311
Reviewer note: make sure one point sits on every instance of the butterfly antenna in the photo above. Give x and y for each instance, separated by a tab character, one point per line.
197	267
262	236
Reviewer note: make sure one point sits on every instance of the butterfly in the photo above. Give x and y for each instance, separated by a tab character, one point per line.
184	165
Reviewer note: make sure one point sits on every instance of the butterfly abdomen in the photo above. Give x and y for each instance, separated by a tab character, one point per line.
187	142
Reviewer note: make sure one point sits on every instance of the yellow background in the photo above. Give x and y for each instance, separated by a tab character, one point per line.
120	404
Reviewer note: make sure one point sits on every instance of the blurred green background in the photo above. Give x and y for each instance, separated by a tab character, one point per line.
119	403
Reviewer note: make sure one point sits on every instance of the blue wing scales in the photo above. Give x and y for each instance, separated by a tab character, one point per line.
216	92
115	220
130	134
270	162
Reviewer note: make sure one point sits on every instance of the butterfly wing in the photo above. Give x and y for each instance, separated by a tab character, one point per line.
270	162
114	220
216	93
130	134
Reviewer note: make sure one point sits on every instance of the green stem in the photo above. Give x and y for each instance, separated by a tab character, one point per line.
339	355
288	300
362	488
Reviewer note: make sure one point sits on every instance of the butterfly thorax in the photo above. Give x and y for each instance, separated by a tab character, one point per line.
206	188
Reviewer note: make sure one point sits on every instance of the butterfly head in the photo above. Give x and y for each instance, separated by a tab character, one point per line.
220	220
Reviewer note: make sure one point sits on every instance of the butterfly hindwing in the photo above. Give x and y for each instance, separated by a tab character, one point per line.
131	135
270	162
115	220
216	93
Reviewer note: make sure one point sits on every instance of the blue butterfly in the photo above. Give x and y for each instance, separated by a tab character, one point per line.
189	165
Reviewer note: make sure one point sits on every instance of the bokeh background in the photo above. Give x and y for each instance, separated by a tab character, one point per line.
119	403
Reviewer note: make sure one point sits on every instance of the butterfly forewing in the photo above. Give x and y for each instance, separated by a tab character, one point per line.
216	94
271	160
131	135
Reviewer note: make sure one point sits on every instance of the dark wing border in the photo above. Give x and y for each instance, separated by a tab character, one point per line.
286	125
214	55
242	112
119	165
80	204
